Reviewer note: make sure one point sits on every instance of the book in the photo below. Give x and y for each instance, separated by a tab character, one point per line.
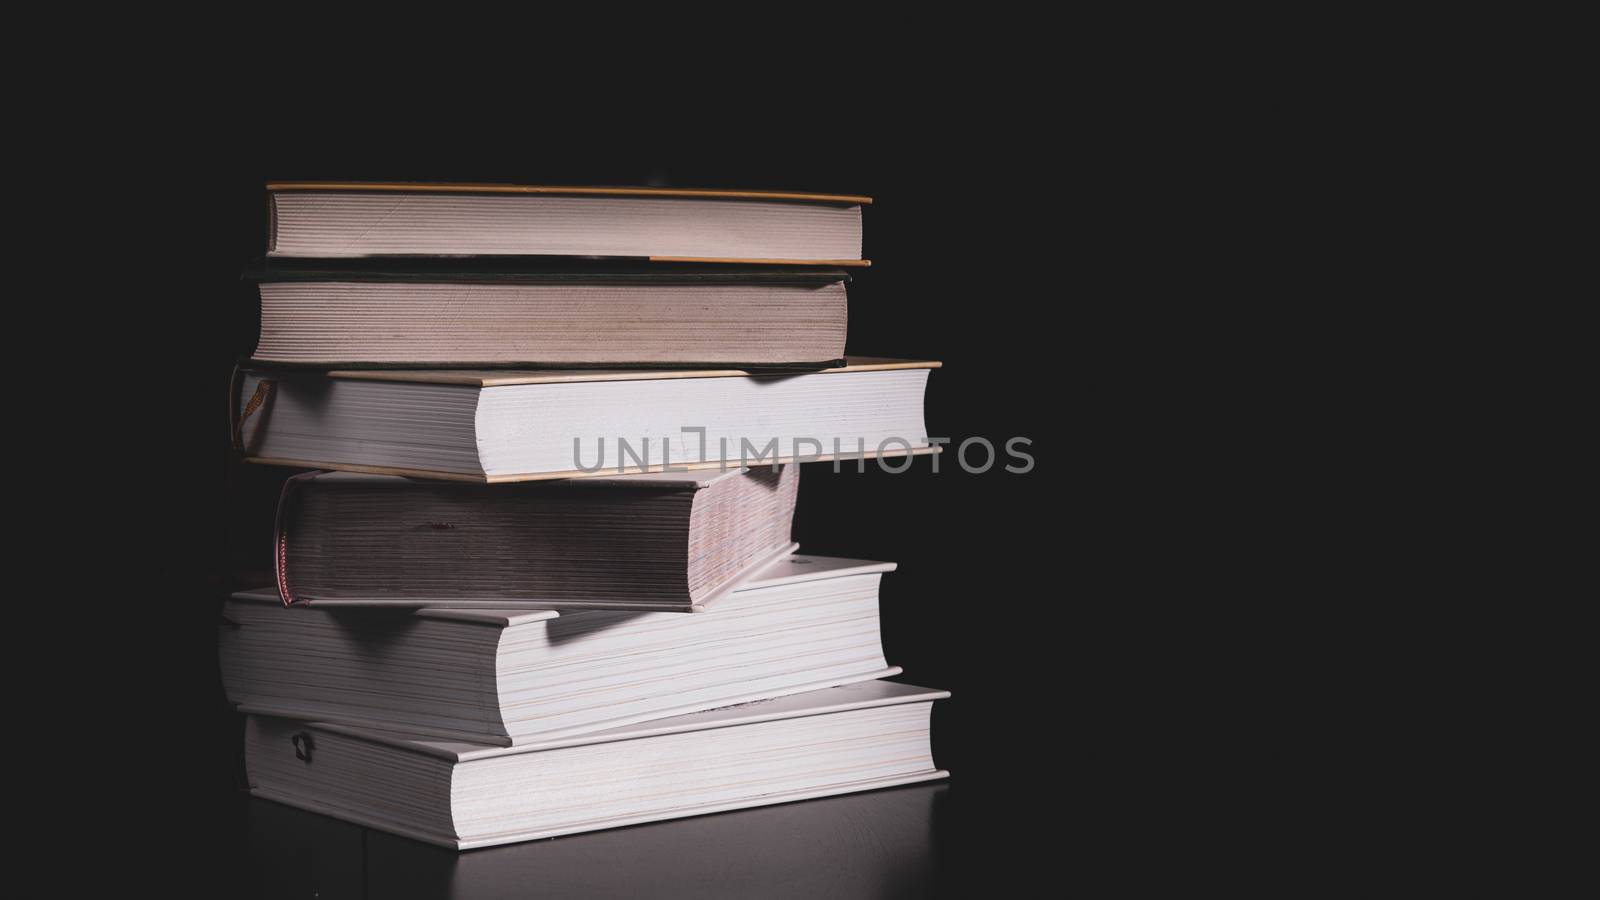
875	844
834	741
672	541
572	316
506	676
515	425
352	219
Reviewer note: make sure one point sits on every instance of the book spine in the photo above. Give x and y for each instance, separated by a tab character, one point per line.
272	222
280	537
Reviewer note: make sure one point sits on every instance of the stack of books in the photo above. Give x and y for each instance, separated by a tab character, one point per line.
540	579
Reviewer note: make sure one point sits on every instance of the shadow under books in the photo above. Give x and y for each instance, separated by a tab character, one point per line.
380	628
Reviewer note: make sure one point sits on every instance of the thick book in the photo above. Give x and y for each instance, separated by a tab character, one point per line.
511	425
508	676
564	317
835	741
351	219
876	844
667	542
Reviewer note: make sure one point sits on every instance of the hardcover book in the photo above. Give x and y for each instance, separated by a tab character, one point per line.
571	316
347	219
506	676
766	852
672	541
839	740
494	426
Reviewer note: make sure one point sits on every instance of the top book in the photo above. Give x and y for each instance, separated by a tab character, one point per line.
357	219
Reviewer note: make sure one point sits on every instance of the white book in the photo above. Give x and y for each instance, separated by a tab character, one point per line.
490	425
834	741
512	676
849	846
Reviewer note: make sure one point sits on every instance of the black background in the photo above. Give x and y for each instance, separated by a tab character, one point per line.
1183	260
990	254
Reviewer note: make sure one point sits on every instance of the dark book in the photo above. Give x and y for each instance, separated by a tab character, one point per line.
572	316
673	541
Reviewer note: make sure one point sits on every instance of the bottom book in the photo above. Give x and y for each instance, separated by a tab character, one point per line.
885	843
834	741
